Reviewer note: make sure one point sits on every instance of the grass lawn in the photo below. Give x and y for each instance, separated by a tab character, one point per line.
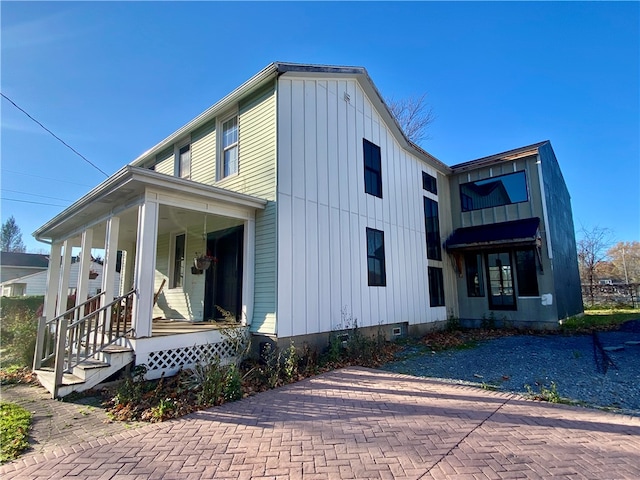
14	430
599	319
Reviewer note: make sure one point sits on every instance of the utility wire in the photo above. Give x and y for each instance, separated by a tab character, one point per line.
56	137
34	194
46	178
27	201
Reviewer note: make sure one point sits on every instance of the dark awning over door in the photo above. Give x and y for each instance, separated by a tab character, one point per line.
513	233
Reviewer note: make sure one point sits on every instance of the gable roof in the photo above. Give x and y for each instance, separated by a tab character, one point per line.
30	260
275	70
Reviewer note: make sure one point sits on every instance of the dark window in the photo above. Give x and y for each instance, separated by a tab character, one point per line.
473	267
494	192
429	183
432	227
375	258
372	169
178	261
500	280
184	162
526	273
436	287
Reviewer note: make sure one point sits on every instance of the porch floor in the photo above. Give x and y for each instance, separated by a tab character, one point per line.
163	327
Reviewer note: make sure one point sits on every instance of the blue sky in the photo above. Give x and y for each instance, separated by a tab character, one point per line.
113	79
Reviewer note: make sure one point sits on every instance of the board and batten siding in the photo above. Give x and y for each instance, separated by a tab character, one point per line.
323	213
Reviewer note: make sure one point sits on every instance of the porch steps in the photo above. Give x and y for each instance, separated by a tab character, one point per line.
88	373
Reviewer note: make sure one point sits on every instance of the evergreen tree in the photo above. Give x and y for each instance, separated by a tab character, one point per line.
11	237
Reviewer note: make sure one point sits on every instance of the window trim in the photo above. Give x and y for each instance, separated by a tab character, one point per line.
222	149
466	201
429	181
178	167
473	261
523	275
375	256
436	287
433	239
375	170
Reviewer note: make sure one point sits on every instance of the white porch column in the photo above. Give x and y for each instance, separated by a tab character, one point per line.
144	277
110	259
248	275
129	264
84	267
63	288
53	281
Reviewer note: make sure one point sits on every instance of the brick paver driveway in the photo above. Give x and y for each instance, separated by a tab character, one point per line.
360	423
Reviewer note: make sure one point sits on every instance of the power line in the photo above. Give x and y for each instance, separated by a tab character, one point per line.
27	201
46	178
56	137
34	194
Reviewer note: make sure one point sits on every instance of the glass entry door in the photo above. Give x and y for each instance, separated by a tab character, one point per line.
500	280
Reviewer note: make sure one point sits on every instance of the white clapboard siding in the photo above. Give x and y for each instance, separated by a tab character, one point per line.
323	213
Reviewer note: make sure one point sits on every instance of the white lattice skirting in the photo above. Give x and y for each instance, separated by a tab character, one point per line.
174	357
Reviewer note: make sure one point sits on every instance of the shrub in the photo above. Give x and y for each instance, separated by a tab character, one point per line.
14	430
18	330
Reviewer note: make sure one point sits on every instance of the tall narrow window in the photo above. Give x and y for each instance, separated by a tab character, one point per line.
372	168
500	275
475	283
184	162
432	227
178	261
436	287
429	183
375	258
526	273
230	147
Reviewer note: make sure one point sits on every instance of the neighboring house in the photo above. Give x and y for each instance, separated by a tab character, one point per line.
297	206
14	265
36	283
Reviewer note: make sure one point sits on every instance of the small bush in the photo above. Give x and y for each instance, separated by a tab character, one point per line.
18	331
14	430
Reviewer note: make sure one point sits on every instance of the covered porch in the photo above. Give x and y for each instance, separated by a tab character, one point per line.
185	253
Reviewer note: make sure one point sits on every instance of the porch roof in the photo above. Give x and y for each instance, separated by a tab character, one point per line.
513	233
125	189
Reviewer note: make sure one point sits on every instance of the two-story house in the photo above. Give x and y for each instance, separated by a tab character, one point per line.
295	206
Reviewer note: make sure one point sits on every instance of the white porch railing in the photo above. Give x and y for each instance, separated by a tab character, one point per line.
81	333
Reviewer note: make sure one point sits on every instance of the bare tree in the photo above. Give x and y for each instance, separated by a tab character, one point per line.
11	237
413	115
592	251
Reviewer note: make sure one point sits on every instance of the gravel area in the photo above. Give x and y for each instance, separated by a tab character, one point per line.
587	369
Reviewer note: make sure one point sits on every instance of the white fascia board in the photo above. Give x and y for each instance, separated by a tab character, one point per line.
130	179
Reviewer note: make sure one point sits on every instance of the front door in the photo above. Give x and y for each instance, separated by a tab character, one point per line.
500	280
223	282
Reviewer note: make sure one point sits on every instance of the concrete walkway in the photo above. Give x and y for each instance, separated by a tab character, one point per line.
351	423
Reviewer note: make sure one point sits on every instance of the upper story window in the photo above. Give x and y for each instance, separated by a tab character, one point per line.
372	168
376	273
429	183
229	150
184	162
432	227
494	192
